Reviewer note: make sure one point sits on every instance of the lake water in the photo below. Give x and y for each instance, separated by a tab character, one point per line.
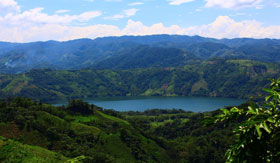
195	104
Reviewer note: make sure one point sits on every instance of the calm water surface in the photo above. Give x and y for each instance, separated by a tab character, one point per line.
195	104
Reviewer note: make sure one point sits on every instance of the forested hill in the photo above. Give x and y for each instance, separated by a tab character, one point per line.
216	77
56	134
32	132
145	57
163	50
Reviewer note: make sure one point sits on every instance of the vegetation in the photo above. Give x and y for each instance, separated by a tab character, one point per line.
107	135
78	106
32	131
145	56
183	134
257	137
160	65
96	136
13	151
216	77
131	52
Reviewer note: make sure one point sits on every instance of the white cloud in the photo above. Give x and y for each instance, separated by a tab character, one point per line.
35	25
222	27
8	6
234	4
125	14
137	28
225	27
135	4
36	16
115	17
130	12
178	2
86	16
61	11
239	14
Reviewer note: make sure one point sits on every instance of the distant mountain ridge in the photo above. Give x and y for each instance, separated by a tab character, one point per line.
105	52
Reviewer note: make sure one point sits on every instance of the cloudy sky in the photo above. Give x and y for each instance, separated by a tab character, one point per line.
42	20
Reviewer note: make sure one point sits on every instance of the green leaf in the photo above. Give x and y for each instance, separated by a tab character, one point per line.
258	131
251	110
271	120
234	110
226	112
269	90
266	128
268	97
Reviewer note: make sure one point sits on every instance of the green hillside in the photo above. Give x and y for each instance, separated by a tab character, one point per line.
216	77
128	52
14	152
70	132
31	131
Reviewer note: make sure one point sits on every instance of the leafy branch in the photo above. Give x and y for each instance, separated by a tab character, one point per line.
257	138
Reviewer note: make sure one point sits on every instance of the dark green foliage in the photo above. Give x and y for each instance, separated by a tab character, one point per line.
79	106
145	56
152	136
134	143
15	152
159	65
257	136
131	52
183	134
216	77
264	51
72	133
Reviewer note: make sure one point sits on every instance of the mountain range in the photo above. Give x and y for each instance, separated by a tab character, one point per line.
129	52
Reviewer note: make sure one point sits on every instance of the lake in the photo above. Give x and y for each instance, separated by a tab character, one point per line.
195	104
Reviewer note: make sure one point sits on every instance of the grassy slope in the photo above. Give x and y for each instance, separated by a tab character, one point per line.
98	135
15	152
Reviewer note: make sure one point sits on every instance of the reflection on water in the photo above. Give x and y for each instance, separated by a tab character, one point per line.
195	104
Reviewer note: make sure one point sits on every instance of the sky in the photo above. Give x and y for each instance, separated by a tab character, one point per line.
62	20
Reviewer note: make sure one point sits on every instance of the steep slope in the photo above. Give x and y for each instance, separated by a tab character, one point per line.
98	136
222	78
145	56
13	151
101	52
263	51
74	54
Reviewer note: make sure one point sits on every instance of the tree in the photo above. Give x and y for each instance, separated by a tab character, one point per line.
79	106
258	133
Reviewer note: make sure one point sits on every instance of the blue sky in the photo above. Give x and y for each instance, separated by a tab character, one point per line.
42	20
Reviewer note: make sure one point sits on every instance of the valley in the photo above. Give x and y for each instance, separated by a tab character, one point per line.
79	100
139	81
